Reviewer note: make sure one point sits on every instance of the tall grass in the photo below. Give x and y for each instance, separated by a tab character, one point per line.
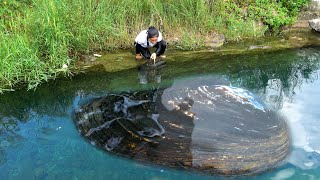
38	37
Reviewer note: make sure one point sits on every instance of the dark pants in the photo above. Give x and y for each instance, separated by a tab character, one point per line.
160	48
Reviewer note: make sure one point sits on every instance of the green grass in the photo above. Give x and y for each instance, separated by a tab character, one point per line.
38	37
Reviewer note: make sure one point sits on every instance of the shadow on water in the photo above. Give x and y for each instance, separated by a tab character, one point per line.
271	75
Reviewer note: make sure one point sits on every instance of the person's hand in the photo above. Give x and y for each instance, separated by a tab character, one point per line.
153	57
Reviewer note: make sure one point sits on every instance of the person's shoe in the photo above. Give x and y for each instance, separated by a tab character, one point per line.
138	56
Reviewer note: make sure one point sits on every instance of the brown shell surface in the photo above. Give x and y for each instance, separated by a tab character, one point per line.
195	124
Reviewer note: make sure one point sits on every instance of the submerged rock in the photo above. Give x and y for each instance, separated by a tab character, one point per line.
200	124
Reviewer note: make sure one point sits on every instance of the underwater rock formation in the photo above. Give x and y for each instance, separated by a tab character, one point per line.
201	124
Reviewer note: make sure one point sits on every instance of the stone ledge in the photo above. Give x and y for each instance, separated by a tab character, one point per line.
315	24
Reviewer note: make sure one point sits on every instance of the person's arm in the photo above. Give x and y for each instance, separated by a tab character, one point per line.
159	49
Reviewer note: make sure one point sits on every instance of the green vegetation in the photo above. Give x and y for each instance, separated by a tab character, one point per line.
38	37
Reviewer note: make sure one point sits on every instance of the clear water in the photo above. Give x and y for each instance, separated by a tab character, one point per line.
38	139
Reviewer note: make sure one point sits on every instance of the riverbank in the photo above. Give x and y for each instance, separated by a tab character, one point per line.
122	59
42	40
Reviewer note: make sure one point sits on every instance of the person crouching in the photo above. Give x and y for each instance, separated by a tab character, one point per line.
148	38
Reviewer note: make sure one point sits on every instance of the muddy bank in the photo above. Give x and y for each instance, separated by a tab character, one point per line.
292	37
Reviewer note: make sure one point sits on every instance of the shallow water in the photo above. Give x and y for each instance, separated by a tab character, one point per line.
38	139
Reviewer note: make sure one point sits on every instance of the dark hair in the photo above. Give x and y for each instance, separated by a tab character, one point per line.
152	32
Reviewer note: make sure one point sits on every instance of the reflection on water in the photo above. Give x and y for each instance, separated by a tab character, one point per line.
150	72
197	123
38	138
231	125
302	112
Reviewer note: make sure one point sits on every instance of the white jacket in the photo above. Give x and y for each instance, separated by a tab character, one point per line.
142	39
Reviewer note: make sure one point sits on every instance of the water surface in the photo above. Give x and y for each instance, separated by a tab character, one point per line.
38	139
